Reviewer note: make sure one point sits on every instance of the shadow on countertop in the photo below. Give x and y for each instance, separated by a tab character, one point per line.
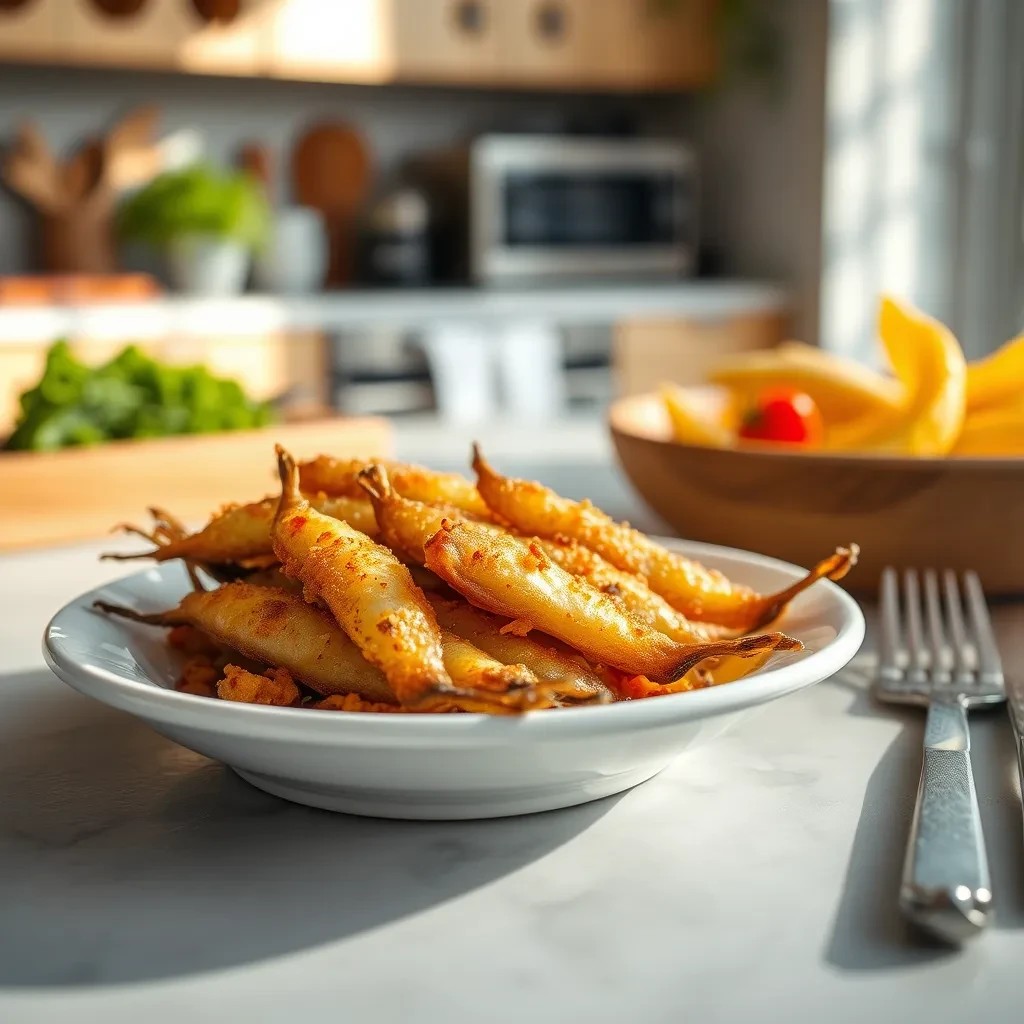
869	933
126	858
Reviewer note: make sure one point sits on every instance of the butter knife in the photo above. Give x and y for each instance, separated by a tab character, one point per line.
1015	708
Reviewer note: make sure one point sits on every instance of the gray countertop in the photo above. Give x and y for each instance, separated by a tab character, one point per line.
754	879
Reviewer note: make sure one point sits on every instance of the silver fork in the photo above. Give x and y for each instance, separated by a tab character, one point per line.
931	655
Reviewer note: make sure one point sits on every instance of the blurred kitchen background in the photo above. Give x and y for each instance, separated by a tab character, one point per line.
463	211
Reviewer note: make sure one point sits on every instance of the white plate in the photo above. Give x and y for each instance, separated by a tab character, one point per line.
436	766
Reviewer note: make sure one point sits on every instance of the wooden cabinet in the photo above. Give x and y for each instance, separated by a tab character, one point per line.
560	44
236	45
450	41
603	45
29	30
146	33
547	42
168	34
637	44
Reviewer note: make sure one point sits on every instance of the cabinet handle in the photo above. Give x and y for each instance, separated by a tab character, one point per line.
223	12
119	8
551	21
470	17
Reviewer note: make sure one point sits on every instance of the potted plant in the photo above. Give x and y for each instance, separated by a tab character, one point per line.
205	222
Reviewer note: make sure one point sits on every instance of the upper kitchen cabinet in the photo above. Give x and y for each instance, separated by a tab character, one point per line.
547	43
227	37
560	44
653	44
217	36
600	45
450	41
29	29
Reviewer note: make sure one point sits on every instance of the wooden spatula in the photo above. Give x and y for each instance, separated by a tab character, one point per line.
330	173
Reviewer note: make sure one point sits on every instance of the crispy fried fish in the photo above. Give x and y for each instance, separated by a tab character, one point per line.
374	599
703	594
513	577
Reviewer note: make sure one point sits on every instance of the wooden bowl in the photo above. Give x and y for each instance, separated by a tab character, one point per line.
957	513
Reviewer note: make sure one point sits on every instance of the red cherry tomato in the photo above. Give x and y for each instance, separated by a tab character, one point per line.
787	416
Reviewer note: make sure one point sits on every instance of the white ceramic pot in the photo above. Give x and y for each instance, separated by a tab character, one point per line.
294	260
206	265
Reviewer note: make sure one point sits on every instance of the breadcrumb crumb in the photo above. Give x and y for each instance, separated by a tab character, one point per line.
276	688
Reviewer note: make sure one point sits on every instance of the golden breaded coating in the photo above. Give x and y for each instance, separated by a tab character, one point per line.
372	596
703	594
368	590
240	533
276	688
513	577
341	476
565	672
199	676
276	627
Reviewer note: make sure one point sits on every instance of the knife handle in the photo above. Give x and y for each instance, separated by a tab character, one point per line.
946	888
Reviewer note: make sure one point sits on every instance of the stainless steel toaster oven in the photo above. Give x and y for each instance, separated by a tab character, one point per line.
526	208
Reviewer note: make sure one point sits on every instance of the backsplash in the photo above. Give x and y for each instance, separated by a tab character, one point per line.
395	121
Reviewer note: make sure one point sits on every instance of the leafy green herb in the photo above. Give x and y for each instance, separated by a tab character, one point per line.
130	396
199	200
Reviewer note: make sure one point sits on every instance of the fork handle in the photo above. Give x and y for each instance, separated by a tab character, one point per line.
946	888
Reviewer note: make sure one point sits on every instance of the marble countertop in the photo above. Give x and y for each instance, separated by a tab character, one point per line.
755	879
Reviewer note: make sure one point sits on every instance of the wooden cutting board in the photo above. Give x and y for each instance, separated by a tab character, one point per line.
189	476
36	289
331	173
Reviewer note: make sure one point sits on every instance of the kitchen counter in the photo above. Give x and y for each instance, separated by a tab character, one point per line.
381	308
754	879
473	339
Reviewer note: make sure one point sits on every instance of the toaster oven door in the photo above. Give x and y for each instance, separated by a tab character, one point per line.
581	209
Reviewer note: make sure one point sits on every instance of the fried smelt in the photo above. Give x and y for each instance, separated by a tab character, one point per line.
242	532
369	592
698	592
373	598
341	477
513	577
565	672
628	589
276	627
272	577
274	687
471	667
405	524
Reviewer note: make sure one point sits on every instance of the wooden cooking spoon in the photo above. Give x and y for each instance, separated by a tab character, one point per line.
331	172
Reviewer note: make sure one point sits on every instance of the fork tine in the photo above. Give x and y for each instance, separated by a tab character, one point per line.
889	646
916	649
936	630
959	645
990	667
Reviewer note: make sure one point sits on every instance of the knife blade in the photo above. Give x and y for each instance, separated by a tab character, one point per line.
1015	709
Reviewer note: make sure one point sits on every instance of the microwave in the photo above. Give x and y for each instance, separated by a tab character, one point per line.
518	209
